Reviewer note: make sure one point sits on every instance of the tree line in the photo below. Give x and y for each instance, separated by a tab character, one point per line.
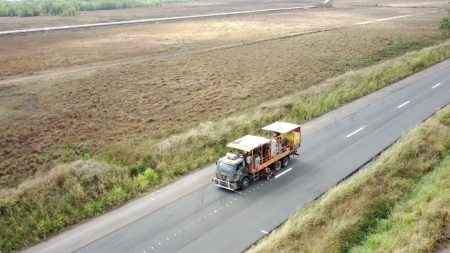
29	8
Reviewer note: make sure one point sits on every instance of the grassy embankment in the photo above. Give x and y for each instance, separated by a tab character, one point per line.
399	202
28	8
73	192
417	221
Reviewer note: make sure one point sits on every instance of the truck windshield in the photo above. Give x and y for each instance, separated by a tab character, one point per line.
227	169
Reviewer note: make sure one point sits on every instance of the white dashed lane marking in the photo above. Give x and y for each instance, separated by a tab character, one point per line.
215	211
436	85
282	173
400	106
355	132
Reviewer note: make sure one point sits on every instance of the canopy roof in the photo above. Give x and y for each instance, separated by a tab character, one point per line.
281	127
248	142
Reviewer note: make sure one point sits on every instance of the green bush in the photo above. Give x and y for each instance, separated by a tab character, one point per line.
146	178
70	11
445	24
150	175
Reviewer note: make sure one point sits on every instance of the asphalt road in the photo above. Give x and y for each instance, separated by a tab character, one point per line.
215	220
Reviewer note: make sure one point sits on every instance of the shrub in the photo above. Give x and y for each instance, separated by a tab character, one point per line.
445	24
69	11
150	175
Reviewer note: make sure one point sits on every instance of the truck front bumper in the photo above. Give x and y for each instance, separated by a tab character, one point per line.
232	186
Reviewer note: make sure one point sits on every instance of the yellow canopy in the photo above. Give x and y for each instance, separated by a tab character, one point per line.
248	142
281	127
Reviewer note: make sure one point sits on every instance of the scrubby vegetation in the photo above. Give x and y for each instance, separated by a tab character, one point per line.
73	192
70	194
27	8
397	203
445	24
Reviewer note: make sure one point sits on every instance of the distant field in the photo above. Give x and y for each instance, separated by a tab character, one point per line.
29	8
166	9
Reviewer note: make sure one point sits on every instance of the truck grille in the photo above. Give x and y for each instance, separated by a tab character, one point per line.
222	177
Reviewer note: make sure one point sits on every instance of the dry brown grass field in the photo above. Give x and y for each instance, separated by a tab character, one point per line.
65	95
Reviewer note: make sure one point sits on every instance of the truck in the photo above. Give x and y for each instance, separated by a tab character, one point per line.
252	157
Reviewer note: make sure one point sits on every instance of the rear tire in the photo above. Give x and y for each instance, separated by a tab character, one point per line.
245	182
277	166
285	161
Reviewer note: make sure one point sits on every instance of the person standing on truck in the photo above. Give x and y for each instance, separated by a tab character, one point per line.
248	159
257	161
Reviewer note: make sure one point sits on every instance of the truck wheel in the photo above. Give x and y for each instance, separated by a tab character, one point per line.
285	161
277	166
245	182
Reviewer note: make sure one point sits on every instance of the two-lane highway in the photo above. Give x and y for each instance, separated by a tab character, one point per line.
214	220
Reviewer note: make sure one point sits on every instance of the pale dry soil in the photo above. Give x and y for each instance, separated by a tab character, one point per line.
55	119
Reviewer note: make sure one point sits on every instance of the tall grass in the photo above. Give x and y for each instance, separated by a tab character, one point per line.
68	195
365	204
27	8
416	222
73	192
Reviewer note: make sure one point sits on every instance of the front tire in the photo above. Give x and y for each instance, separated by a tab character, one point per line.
245	182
